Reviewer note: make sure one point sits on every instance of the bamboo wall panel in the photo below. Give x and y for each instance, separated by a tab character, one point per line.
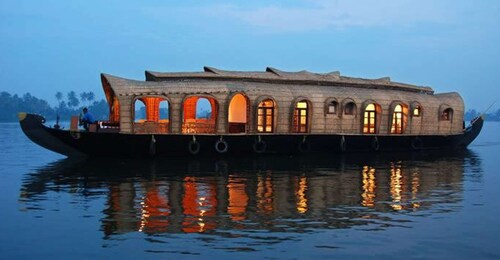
285	97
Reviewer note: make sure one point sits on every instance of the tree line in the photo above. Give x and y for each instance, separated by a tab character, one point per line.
472	113
69	104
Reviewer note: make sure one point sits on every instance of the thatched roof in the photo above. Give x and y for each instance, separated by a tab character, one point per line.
275	76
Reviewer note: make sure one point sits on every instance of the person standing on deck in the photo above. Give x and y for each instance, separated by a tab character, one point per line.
87	119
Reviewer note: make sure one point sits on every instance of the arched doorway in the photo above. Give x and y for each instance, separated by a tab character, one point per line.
238	114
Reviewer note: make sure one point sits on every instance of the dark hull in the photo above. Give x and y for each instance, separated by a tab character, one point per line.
96	144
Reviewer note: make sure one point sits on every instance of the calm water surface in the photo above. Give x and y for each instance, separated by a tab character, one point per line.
416	205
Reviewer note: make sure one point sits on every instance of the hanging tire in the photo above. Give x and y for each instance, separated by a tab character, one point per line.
221	146
343	146
304	147
259	147
375	144
76	135
417	144
194	147
152	146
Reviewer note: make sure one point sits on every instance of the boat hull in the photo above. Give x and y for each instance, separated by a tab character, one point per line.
99	144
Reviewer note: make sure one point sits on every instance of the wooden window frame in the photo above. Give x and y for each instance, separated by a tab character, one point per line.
298	114
395	127
335	106
417	108
367	116
447	115
263	111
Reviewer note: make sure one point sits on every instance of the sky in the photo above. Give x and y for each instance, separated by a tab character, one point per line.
449	45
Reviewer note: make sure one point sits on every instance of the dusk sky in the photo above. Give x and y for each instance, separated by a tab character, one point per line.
449	45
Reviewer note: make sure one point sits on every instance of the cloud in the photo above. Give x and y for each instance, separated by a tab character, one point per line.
337	14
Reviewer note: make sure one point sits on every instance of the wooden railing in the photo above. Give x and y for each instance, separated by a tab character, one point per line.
194	126
151	127
107	127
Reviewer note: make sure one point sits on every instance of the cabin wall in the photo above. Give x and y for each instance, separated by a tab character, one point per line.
415	125
222	118
126	119
176	112
285	96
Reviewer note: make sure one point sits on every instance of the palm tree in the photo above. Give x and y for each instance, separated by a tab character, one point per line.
90	96
87	97
59	97
83	97
73	101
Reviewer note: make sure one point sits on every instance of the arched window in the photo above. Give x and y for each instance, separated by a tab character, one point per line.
164	111
265	116
148	117
238	114
399	119
199	115
332	107
140	111
350	108
417	111
447	114
300	114
370	119
203	109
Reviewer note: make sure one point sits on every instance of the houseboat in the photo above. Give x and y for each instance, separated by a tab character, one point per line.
259	113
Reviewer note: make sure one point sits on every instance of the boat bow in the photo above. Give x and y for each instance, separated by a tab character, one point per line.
34	128
472	131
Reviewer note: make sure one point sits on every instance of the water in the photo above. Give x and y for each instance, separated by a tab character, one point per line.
418	205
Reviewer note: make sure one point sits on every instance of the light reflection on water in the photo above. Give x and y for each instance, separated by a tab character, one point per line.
417	205
244	204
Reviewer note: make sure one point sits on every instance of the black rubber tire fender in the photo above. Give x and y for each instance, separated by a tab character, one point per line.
194	147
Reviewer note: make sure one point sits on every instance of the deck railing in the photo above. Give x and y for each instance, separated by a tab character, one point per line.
195	126
151	127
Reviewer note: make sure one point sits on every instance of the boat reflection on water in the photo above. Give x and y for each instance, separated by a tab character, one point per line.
271	194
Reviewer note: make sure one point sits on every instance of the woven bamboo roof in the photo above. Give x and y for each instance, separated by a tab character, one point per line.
275	76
